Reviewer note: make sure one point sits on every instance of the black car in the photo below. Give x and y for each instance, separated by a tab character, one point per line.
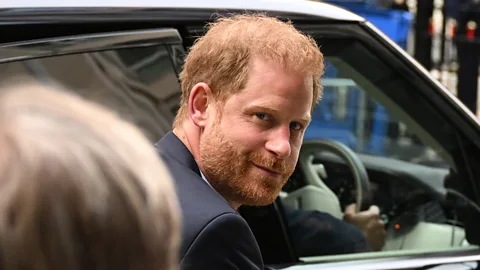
385	132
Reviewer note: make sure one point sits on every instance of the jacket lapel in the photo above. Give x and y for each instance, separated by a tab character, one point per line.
171	146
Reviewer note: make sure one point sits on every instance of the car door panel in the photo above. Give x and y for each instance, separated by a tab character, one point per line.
132	72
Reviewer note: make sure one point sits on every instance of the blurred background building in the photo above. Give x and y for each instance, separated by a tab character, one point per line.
441	34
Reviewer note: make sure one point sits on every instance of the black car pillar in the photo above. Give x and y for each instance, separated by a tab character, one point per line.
423	33
467	41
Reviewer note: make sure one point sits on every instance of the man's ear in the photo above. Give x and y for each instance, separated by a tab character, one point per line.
199	101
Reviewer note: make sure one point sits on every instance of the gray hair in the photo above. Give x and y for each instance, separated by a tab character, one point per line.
80	188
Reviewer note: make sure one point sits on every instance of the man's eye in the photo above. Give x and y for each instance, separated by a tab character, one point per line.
262	116
295	126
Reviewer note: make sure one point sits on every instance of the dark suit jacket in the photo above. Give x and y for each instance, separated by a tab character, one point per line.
214	235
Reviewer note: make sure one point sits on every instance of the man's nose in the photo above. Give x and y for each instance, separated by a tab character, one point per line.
279	143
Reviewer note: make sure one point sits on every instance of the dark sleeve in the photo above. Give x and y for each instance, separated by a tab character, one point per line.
314	233
225	243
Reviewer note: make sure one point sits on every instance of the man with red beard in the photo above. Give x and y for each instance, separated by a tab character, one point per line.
248	88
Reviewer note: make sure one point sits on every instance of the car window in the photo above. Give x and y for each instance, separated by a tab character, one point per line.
349	114
375	111
138	83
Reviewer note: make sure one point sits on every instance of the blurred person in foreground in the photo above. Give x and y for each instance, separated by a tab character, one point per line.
80	188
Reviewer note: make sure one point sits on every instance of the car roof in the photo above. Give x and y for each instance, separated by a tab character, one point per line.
304	7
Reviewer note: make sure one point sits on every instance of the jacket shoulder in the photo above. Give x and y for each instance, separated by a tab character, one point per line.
226	242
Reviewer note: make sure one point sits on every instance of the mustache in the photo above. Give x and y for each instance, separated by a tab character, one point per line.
271	163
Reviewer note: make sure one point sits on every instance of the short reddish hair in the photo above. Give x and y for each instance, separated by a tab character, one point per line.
221	58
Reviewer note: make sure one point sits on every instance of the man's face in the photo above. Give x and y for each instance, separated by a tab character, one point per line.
250	147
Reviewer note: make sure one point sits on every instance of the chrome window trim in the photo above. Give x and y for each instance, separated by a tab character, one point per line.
86	43
407	261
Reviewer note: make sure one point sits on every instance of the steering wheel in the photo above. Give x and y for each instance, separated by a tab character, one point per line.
312	147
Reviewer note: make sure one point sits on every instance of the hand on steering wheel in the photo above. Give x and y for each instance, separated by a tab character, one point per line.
369	222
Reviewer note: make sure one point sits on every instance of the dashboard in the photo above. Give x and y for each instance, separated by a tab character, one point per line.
406	193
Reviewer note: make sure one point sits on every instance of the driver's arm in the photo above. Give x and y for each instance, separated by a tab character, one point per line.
314	233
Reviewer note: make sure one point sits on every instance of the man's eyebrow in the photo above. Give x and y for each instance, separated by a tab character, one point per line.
263	109
306	118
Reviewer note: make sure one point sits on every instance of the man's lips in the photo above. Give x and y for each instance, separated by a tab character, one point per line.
267	169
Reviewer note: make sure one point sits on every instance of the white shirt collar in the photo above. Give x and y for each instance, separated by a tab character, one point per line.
205	179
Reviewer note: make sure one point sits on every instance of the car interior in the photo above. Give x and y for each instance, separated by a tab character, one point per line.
405	179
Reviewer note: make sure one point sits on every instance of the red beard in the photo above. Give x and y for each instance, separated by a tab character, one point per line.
234	175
